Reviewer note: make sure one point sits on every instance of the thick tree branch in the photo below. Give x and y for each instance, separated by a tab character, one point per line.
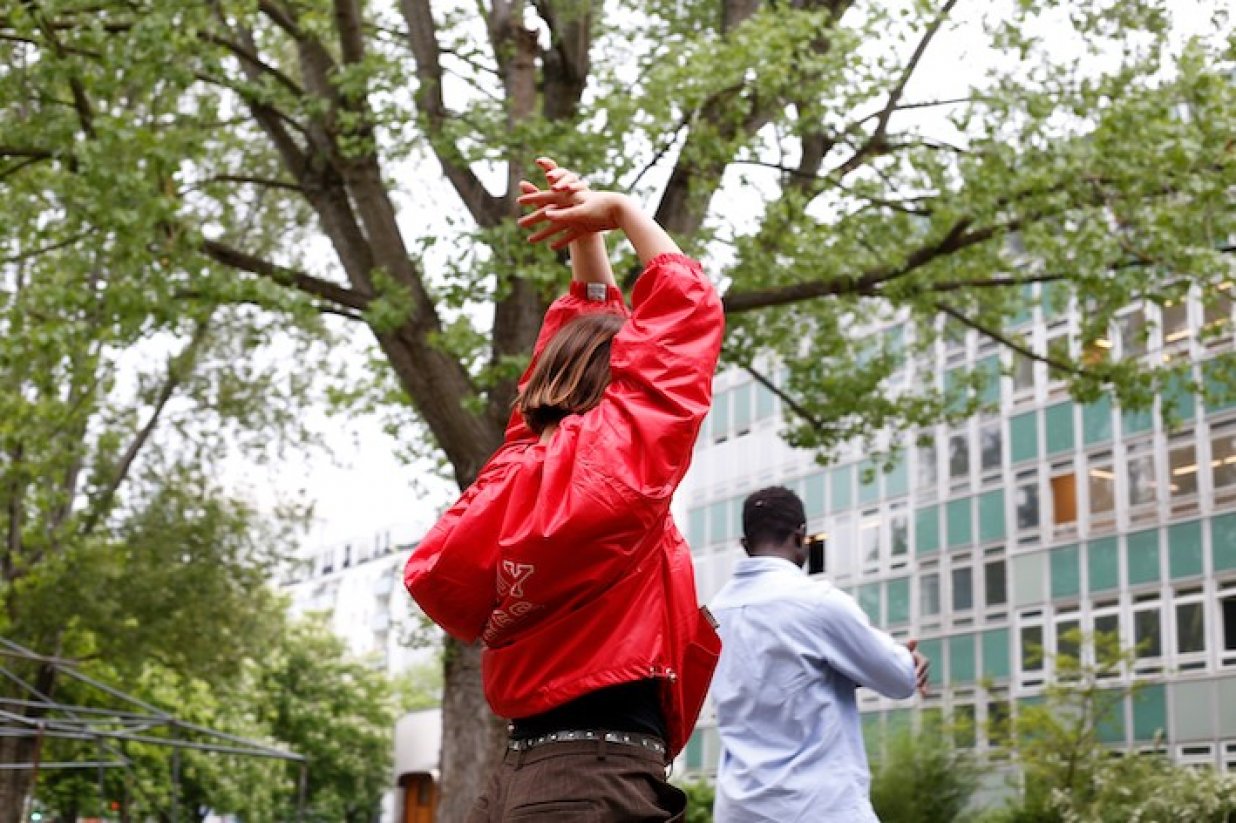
263	182
249	56
332	292
789	402
349	21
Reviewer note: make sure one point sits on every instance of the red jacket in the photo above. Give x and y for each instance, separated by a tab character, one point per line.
563	557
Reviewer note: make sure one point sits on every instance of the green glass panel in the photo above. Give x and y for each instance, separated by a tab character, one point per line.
719	522
869	600
1178	393
991	516
843	487
1055	299
1143	557
931	650
896	482
1150	712
1022	314
899	600
1184	546
695	750
813	497
742	408
721	415
765	402
697	527
1024	437
960	523
1097	421
1065	572
990	394
954	390
1103	564
961	658
927	530
1220	383
996	654
868	481
1136	422
1223	541
1059	420
1110	705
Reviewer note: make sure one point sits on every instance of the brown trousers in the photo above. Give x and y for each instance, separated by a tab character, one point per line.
580	781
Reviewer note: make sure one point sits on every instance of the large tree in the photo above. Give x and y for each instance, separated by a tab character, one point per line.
279	152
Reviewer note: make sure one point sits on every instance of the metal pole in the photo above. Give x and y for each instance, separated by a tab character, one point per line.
34	781
301	791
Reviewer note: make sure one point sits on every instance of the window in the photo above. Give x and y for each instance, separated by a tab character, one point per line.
1027	501
927	466
1132	334
963	589
1057	350
1175	322
721	417
1064	495
929	594
1107	639
1190	627
1228	608
1217	314
1032	648
1068	642
1223	455
964	727
998	723
1102	483
1143	487
816	552
1023	374
1147	632
869	537
898	532
990	446
1182	464
995	587
742	409
959	456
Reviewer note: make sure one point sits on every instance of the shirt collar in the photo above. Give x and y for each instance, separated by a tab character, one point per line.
750	566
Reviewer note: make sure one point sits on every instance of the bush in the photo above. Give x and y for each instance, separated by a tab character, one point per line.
700	796
922	778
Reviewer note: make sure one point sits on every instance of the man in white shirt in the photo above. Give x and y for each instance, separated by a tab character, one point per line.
794	652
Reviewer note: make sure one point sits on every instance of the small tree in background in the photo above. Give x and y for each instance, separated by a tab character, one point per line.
922	777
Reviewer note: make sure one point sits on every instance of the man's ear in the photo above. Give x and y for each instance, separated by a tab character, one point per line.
800	535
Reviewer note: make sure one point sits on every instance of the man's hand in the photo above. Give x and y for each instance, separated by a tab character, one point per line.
922	666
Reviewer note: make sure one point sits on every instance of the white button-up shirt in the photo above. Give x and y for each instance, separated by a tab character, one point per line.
794	651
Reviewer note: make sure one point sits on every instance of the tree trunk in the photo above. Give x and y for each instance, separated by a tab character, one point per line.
15	784
472	739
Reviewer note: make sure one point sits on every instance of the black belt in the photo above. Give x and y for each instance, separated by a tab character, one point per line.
643	741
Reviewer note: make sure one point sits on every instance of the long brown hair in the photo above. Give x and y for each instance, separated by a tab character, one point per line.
572	373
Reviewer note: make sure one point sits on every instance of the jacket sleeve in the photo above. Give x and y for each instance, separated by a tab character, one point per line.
582	298
862	653
661	363
451	573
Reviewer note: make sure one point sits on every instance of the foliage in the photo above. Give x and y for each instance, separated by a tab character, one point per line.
921	777
700	797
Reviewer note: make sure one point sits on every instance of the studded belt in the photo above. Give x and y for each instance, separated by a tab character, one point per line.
643	741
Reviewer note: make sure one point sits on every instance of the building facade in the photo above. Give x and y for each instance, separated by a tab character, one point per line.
1009	534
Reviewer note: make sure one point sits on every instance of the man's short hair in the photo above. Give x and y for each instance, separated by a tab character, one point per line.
771	515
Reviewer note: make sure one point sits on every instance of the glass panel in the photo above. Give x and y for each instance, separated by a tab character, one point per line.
990	446
1028	506
765	402
959	456
899	600
1223	456
1103	563
1064	499
1023	437
960	523
843	487
1150	712
869	601
963	589
869	540
719	522
961	658
742	408
1175	322
991	515
813	495
1136	422
1179	400
989	394
721	416
1184	542
1143	558
996	653
1097	421
896	482
1027	579
1132	333
1068	642
1031	648
929	595
964	728
1223	542
927	466
1142	483
1023	373
1190	628
1146	634
868	481
1102	486
1065	572
996	583
697	528
1059	421
927	530
899	534
1182	464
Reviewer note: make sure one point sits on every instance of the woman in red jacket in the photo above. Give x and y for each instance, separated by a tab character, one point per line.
562	557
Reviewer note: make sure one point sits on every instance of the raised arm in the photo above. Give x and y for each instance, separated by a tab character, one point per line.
863	653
